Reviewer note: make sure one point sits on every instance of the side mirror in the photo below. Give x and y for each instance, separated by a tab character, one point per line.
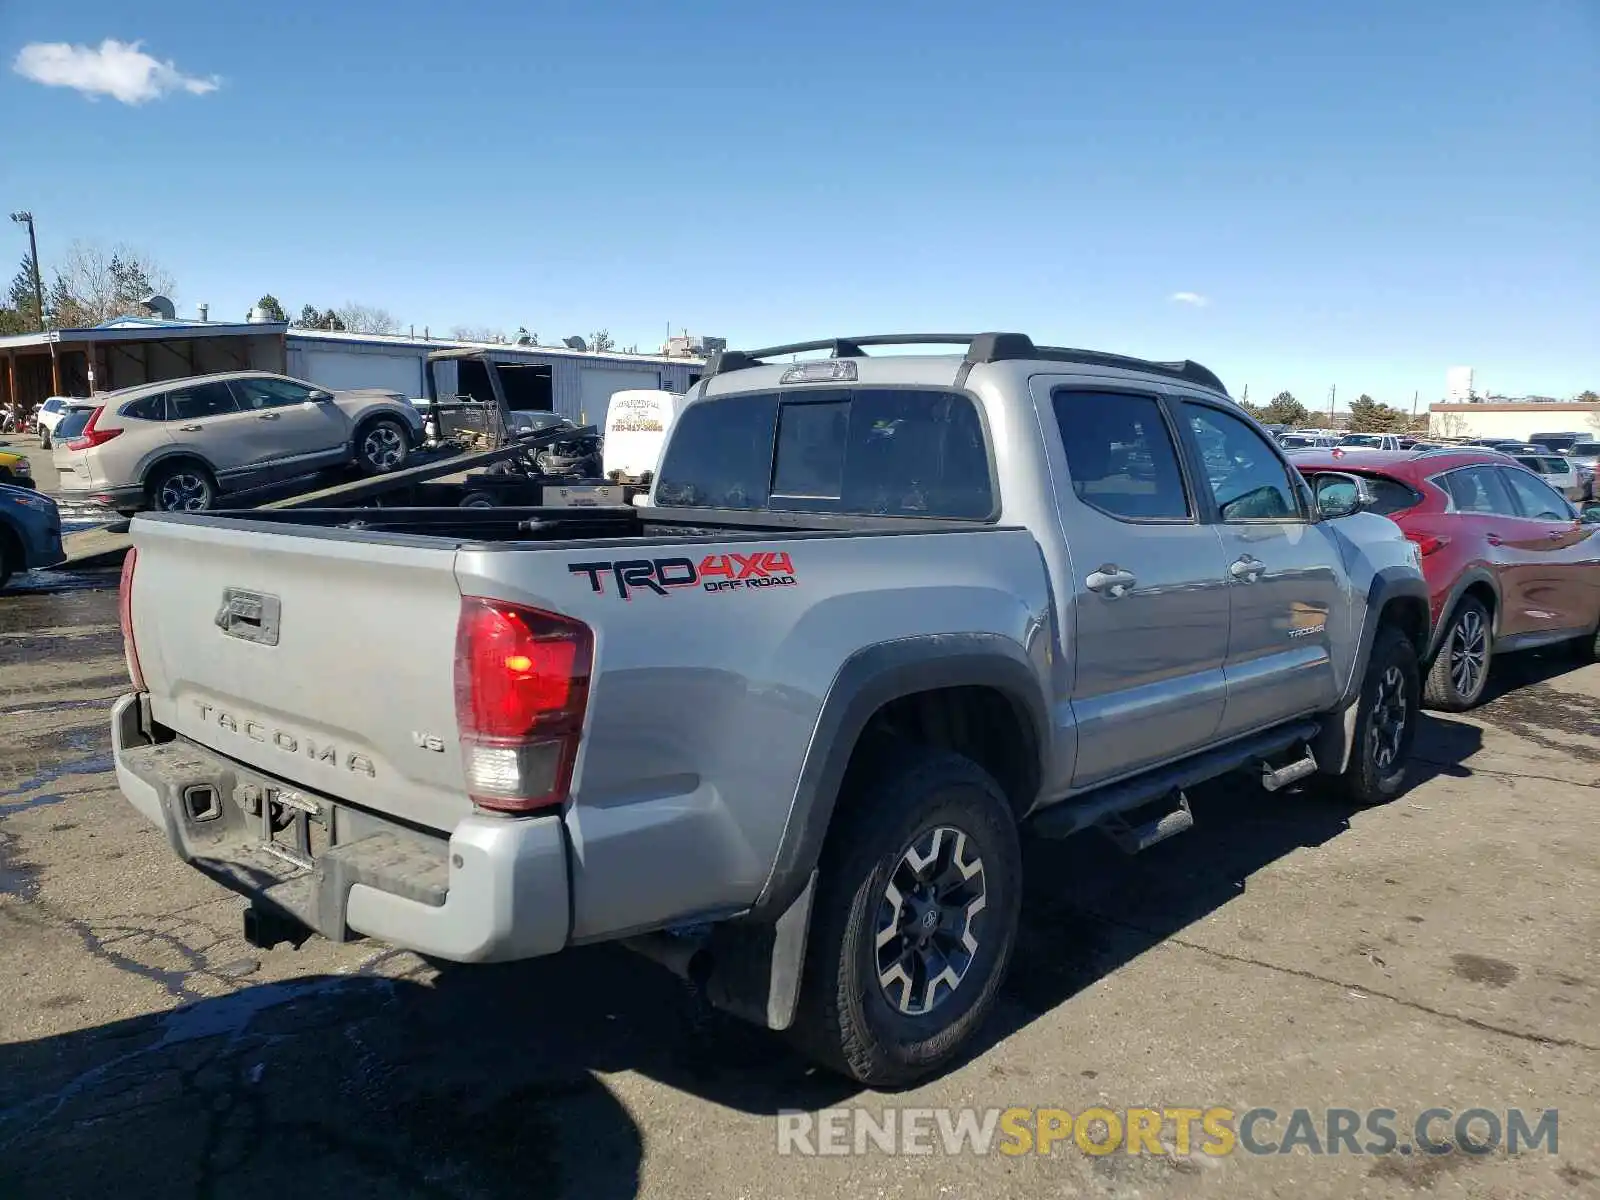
318	396
1341	495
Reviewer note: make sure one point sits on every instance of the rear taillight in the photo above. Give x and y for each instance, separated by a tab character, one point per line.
130	652
91	436
522	683
1428	543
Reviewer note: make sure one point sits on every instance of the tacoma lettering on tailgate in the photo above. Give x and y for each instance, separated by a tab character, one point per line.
714	573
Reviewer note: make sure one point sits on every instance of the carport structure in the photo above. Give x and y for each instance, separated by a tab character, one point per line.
128	351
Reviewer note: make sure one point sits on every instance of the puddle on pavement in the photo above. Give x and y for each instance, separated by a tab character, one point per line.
17	878
1535	711
92	764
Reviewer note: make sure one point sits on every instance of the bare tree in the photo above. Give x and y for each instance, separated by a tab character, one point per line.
95	283
366	318
476	333
602	341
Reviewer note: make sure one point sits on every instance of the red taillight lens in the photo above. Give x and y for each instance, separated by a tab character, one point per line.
1428	543
91	436
130	652
522	683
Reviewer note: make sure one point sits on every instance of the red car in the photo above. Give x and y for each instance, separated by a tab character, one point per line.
1509	563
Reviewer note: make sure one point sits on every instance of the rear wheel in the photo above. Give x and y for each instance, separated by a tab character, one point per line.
1386	721
44	439
1460	672
914	920
185	487
383	447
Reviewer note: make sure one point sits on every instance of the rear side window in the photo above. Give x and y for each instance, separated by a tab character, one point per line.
869	451
201	400
151	408
1478	490
1121	456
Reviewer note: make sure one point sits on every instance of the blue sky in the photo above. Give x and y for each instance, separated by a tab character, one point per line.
1363	196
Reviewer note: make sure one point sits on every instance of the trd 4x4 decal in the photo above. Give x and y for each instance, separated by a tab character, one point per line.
714	573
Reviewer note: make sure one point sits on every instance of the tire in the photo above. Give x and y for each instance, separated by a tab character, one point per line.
383	446
1460	672
44	439
182	487
10	560
947	812
1390	691
479	499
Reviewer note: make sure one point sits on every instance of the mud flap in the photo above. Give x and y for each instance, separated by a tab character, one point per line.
755	972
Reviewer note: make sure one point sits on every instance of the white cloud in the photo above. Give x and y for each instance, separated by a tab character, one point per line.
117	69
1193	299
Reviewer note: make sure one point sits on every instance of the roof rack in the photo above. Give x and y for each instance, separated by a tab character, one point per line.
981	348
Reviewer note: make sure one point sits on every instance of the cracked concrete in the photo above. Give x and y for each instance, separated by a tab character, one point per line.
1440	950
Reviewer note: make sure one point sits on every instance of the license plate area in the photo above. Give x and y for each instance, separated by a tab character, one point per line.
290	825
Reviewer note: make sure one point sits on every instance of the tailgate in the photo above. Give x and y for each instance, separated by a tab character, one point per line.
325	662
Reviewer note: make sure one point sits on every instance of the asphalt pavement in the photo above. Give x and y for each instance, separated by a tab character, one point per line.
1439	951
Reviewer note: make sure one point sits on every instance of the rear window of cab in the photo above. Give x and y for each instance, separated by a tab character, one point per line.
915	452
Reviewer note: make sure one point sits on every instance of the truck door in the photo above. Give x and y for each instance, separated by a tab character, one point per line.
1150	601
1280	569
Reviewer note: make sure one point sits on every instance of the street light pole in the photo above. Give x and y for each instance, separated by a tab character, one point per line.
26	218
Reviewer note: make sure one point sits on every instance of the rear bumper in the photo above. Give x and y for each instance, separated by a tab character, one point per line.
115	497
495	889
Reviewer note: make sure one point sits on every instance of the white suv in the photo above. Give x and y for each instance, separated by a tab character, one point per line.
175	446
54	410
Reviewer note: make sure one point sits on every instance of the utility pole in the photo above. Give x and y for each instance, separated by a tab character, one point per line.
1332	391
1245	399
26	218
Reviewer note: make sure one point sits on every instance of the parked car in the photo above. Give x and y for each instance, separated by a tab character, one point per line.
1305	441
1585	459
1510	564
1370	441
1556	470
782	729
51	413
30	532
178	445
15	469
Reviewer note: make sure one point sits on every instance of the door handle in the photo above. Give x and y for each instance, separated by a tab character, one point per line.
1111	581
189	428
1246	569
266	416
1558	533
1492	538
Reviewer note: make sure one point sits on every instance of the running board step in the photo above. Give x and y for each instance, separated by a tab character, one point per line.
1080	812
1281	777
1132	839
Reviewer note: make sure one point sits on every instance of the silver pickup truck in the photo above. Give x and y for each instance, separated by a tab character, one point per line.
782	728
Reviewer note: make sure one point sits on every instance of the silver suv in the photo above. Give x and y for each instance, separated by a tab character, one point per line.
175	446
